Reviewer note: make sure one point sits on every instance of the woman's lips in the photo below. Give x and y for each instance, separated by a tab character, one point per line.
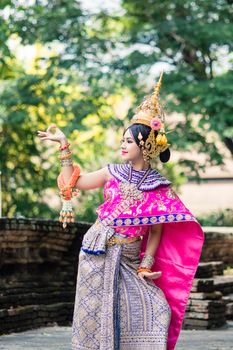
123	152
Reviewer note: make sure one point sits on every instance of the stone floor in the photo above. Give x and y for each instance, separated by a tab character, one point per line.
51	338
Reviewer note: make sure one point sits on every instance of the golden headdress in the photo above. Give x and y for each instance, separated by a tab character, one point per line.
150	113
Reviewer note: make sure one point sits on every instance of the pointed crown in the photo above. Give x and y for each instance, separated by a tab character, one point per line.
150	113
150	107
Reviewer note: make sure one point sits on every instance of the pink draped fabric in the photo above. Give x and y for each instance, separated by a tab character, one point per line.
177	257
180	246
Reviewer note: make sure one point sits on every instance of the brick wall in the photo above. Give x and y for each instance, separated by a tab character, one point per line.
218	245
38	264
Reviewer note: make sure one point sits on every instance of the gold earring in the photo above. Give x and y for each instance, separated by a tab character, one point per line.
141	139
145	154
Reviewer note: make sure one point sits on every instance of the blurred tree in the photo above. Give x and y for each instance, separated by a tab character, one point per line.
37	94
84	63
30	102
193	39
5	53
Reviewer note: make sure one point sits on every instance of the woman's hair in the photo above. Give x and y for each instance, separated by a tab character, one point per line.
145	131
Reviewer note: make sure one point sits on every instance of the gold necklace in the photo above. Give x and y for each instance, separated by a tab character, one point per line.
129	190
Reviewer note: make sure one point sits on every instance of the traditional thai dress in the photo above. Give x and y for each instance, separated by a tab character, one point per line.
115	309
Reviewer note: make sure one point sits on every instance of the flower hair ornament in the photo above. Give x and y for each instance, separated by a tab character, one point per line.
150	113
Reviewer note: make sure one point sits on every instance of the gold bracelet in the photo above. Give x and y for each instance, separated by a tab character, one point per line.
65	151
143	269
147	261
66	162
66	156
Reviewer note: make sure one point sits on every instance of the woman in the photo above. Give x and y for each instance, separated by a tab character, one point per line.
138	260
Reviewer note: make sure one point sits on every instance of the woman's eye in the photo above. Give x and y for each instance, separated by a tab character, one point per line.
128	141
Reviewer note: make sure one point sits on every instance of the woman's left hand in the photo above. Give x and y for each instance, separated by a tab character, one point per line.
150	275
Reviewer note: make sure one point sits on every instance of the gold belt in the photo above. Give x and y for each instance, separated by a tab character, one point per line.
117	240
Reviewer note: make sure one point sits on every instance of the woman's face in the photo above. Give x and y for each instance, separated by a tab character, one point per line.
129	148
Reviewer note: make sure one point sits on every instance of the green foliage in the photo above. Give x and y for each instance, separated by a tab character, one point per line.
85	63
218	218
88	202
190	37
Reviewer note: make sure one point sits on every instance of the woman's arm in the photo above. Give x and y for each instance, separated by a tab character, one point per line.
92	180
66	171
152	245
88	181
153	239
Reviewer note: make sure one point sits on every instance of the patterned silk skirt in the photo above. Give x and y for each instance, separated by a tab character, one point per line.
115	309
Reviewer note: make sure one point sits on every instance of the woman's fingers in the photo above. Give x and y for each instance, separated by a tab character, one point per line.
43	135
141	276
41	132
51	128
53	133
150	275
45	138
154	275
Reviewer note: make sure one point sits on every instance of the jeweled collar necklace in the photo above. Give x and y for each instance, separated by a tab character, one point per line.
125	172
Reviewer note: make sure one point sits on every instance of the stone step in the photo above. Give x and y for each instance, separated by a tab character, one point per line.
28	284
219	283
224	284
209	269
190	323
203	285
228	300
205	305
32	316
205	315
216	295
37	297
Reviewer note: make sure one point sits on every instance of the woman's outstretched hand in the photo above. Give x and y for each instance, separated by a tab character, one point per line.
150	275
53	133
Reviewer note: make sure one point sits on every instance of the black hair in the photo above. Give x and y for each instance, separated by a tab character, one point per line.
145	131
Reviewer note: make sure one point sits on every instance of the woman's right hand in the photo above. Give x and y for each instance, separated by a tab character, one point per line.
53	133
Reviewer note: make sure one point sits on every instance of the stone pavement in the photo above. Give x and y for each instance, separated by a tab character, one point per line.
58	338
